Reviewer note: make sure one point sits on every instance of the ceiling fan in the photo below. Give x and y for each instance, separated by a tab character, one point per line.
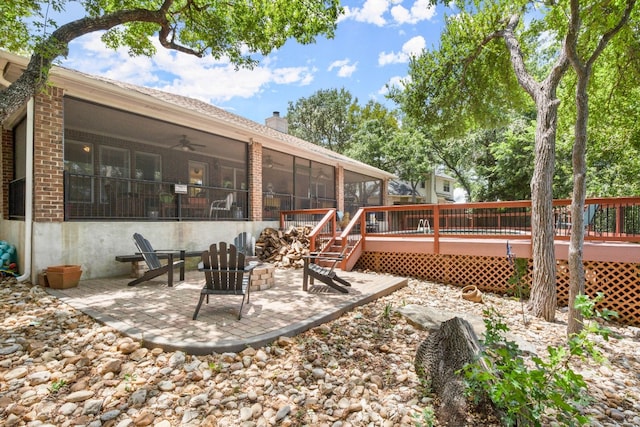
321	175
268	162
185	145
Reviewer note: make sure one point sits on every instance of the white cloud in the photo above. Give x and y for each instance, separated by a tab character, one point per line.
383	90
293	75
337	64
389	58
371	12
207	79
374	11
459	195
395	81
344	66
420	11
347	70
413	47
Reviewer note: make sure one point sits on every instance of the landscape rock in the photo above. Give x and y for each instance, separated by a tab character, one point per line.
430	319
355	371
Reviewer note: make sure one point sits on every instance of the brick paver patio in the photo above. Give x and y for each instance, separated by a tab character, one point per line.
161	316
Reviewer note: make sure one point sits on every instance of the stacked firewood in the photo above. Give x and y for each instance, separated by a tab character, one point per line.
284	248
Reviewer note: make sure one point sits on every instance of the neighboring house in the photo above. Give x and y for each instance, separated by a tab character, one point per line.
436	188
90	161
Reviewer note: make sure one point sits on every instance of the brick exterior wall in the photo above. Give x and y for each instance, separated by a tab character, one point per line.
48	157
255	181
340	188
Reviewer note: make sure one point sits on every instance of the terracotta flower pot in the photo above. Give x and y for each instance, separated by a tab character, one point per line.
472	293
63	276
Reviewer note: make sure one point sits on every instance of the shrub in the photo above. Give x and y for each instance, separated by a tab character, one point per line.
524	392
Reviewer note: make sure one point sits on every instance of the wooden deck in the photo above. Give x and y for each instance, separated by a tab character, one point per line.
466	244
497	247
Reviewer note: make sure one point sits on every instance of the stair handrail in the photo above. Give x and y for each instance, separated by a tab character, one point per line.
348	238
329	218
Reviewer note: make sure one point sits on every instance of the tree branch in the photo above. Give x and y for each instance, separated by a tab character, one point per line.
36	74
571	41
469	59
525	79
606	37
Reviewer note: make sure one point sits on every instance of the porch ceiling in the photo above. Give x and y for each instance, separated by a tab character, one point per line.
94	118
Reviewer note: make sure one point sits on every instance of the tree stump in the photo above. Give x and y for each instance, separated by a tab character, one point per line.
438	359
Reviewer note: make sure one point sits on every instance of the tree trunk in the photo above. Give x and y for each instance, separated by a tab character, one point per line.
583	72
576	243
439	359
543	287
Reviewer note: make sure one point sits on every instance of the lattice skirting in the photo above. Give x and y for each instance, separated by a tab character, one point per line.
619	282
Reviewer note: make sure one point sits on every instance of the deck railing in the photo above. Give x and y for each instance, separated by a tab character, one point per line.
605	219
322	225
326	232
480	220
90	197
274	203
323	235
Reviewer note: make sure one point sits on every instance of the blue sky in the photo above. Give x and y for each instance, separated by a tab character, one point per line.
371	48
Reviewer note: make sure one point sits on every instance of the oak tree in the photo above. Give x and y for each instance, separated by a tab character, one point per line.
238	30
325	118
588	35
471	79
466	81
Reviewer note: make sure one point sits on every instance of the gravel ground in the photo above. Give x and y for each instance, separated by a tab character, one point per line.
58	367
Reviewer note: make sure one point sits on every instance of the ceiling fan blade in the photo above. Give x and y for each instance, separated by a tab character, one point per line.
269	162
186	145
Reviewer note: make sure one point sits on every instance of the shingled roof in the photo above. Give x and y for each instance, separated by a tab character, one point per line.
219	114
89	82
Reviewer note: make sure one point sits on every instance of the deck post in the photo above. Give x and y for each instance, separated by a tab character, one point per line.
436	229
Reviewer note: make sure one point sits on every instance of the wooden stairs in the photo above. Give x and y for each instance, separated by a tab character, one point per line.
349	253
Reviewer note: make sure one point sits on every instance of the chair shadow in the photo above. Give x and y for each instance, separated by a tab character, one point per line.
323	289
